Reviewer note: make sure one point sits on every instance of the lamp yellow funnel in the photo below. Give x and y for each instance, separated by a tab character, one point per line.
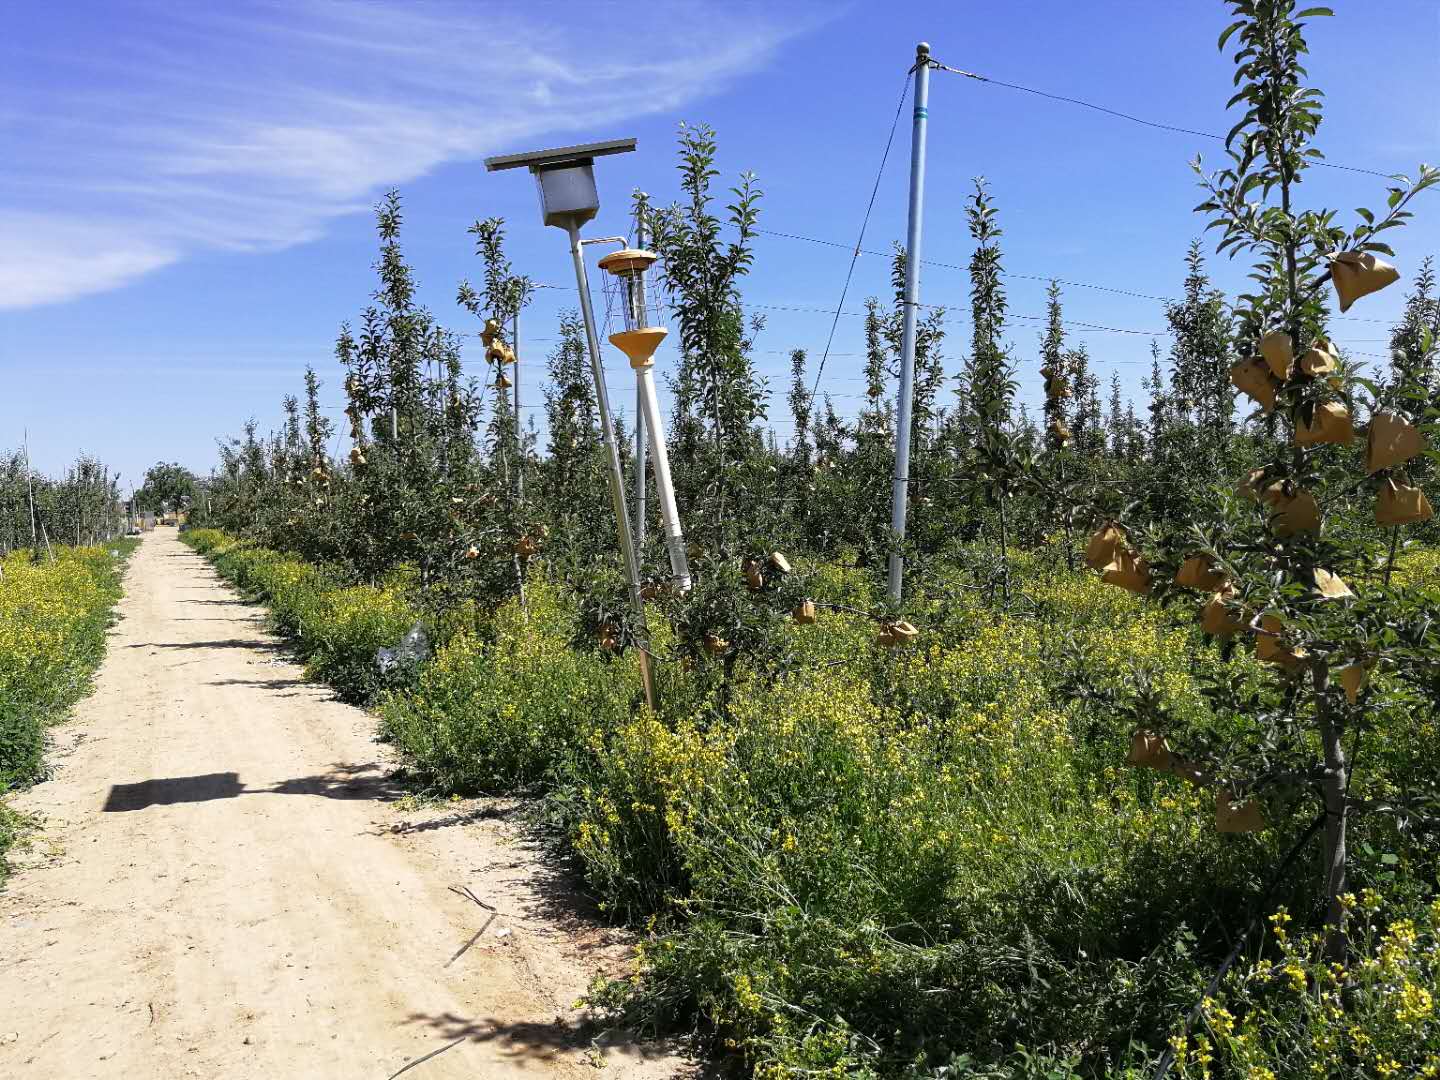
640	345
628	261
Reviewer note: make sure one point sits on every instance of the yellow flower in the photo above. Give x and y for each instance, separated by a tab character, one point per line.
1277	924
1416	1004
1222	1021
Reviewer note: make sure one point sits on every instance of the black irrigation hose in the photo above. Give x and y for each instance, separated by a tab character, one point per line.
1168	1058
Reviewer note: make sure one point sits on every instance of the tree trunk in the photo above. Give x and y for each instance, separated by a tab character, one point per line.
1334	787
1004	552
1068	514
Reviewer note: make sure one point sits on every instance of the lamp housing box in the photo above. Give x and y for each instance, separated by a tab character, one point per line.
564	178
567	192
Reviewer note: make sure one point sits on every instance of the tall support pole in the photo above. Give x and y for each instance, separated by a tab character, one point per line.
641	432
519	434
649	402
30	490
641	452
899	497
664	487
616	471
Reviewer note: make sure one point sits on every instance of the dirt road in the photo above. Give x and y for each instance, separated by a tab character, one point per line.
227	885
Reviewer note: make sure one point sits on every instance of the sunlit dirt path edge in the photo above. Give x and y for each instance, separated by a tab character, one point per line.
225	885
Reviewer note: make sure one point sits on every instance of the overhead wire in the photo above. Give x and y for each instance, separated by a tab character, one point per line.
1159	125
864	224
857	249
1014	274
1069	282
957	266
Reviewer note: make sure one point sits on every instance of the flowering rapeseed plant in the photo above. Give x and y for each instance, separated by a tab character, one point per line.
53	616
1295	1011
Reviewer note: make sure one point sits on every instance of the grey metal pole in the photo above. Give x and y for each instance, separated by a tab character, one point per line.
899	496
640	455
640	431
30	489
519	434
649	405
664	486
617	473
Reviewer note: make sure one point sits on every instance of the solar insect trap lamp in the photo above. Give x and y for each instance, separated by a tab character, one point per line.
565	180
638	339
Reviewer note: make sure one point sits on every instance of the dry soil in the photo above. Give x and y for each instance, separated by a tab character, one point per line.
228	884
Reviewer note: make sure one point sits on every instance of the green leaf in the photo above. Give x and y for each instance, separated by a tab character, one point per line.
1390	860
1369	384
1314	12
1225	34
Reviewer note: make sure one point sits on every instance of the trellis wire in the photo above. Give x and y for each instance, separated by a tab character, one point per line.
1136	119
864	224
1024	277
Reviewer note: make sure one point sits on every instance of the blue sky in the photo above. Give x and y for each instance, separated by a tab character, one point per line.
184	204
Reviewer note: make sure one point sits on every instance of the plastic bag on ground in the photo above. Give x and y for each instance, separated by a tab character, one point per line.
414	648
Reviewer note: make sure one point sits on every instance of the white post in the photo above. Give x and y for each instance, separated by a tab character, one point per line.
901	483
519	434
649	404
30	490
640	429
616	471
641	452
660	456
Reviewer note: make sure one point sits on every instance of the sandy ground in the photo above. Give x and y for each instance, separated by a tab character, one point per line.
226	885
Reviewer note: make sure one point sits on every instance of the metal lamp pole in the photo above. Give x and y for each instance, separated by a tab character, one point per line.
612	453
664	486
519	432
638	342
641	452
640	430
565	181
900	491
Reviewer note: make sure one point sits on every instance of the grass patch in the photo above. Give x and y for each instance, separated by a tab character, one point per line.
53	618
919	862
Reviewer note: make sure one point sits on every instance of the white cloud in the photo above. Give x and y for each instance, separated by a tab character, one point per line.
47	258
249	127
